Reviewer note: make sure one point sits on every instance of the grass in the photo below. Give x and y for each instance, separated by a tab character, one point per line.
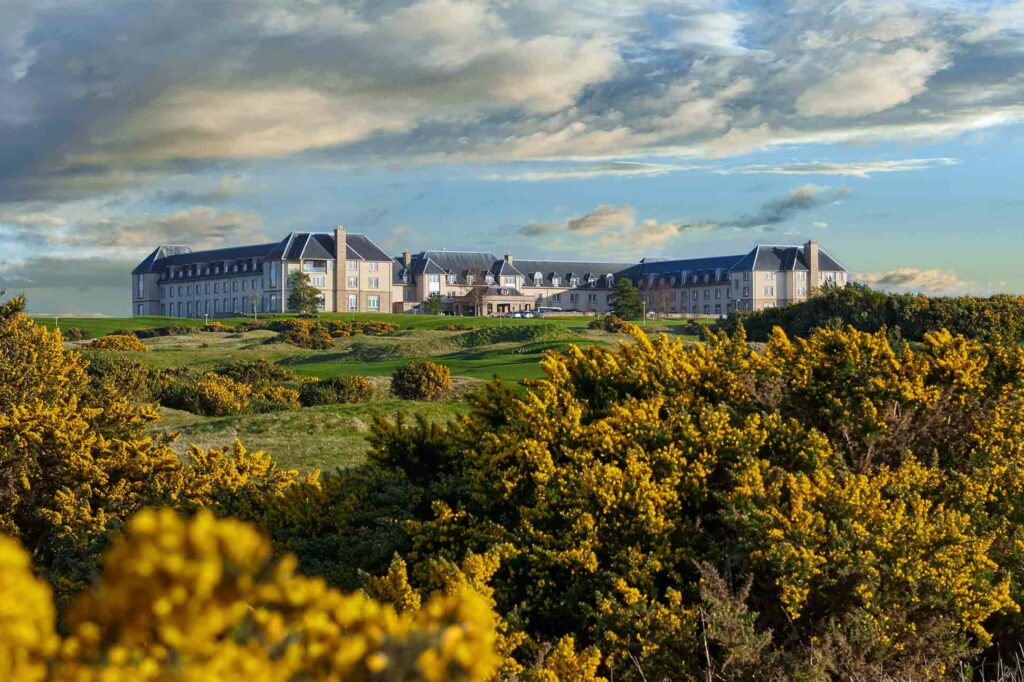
314	437
98	326
334	436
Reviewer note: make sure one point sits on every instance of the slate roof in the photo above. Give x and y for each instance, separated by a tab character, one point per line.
313	245
566	270
785	257
682	270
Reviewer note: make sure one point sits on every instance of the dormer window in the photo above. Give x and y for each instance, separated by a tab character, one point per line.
574	281
450	279
555	280
489	278
538	279
470	279
609	279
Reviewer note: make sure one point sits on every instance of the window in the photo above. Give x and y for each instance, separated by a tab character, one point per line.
375	282
449	279
315	280
768	276
557	298
163	309
353	282
718	309
592	298
769	291
707	294
273	303
489	278
374	266
234	305
801	291
746	276
746	292
138	309
234	285
273	274
188	308
555	281
245	282
434	284
538	279
314	266
470	279
216	306
353	302
320	302
694	297
188	290
718	293
407	294
206	288
801	276
573	298
373	303
352	264
253	285
139	287
179	308
508	281
574	281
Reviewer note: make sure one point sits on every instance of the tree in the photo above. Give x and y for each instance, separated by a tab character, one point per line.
304	297
625	300
434	305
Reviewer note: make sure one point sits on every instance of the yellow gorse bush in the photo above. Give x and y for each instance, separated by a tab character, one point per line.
204	599
118	342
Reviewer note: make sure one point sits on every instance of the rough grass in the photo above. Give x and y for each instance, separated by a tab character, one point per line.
325	437
104	325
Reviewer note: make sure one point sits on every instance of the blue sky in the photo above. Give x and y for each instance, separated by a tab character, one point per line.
888	131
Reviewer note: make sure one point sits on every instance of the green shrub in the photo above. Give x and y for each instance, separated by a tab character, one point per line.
153	332
906	316
342	328
209	394
609	323
455	327
75	334
251	325
270	398
118	342
336	390
302	332
123	375
421	380
255	372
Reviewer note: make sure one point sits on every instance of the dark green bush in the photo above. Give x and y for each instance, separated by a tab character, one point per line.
255	372
907	316
75	334
119	374
335	391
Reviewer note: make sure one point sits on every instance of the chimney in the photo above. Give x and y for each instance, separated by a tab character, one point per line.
340	266
407	259
811	256
508	258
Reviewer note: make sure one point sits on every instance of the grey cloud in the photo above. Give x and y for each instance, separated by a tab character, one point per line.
933	281
860	169
83	115
801	199
199	227
69	286
227	187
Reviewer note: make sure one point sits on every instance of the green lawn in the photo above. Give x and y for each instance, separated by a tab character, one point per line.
98	326
313	437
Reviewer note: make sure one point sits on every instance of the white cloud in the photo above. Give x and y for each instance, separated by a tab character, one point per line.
862	169
623	169
933	281
872	82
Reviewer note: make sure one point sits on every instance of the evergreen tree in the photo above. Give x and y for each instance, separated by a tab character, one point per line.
434	305
304	297
625	300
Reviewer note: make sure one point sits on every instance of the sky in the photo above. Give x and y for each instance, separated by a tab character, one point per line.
889	131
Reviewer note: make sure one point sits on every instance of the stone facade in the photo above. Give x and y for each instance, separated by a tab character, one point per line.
178	282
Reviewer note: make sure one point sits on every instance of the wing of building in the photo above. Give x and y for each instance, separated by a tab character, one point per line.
178	282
